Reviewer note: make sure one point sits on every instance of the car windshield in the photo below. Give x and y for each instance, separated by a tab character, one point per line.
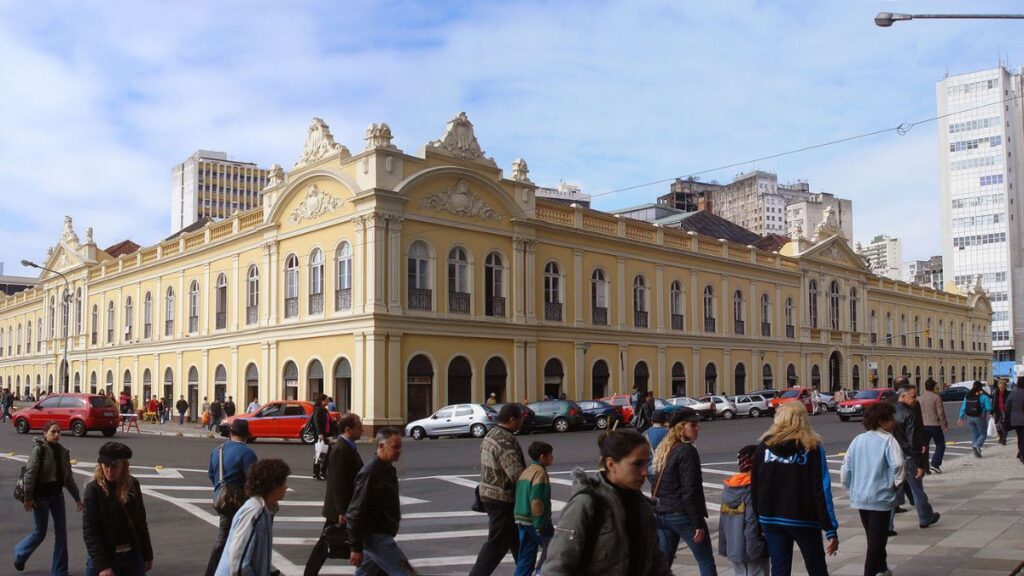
102	402
791	394
658	402
488	409
866	395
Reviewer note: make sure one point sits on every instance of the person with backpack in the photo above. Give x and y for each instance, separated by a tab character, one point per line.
608	527
975	410
739	533
229	467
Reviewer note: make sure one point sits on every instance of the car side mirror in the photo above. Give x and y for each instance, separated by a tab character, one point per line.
433	417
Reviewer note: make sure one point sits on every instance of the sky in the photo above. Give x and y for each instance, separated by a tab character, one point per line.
99	100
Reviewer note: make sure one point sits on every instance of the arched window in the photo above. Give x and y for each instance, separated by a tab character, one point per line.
790	328
39	334
812	303
853	309
888	329
833	305
962	347
766	376
917	332
252	295
18	340
766	316
129	319
458	281
343	266
420	295
791	378
904	328
599	297
494	285
928	333
221	302
709	309
291	381
291	286
316	282
220	382
147	384
110	322
147	316
126	383
676	304
78	383
678	379
28	337
737	312
639	302
552	292
169	383
710	378
78	311
815	376
92	382
168	313
193	307
855	379
874	327
2	343
110	381
94	324
53	317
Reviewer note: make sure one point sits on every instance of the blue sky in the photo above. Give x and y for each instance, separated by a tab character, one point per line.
99	100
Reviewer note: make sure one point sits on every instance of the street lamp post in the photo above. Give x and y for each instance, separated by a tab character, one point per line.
65	382
886	19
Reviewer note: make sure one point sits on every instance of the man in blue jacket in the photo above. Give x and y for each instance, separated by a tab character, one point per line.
237	458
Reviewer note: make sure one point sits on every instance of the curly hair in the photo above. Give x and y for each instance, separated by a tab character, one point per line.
265	476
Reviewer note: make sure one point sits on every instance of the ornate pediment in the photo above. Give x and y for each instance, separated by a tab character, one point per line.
314	205
275	176
460	201
379	136
459	141
829	226
319	143
835	251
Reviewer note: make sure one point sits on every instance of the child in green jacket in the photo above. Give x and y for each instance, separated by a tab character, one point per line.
533	509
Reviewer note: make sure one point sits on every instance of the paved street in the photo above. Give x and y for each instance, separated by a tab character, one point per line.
439	532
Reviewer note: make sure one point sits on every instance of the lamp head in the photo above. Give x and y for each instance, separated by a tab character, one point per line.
885	19
28	264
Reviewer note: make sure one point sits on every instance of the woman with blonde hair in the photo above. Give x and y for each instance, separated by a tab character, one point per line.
114	524
792	492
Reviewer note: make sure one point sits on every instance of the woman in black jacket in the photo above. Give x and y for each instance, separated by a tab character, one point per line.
322	429
114	524
679	492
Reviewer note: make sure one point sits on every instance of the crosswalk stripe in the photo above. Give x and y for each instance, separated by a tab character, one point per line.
402	537
556	505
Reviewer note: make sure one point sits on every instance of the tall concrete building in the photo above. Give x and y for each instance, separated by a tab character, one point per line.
208	185
980	180
884	255
803	217
924	272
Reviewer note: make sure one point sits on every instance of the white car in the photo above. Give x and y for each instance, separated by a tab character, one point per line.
722	405
703	408
455	420
752	405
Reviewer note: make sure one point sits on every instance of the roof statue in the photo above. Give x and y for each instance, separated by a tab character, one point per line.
829	226
319	143
275	176
68	235
520	171
977	288
88	235
459	141
379	136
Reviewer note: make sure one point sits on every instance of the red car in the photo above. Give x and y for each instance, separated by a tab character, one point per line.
621	402
796	394
79	413
278	419
854	407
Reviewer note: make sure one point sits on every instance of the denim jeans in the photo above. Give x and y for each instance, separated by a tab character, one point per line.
381	551
672	527
502	536
44	508
916	485
780	541
935	434
124	564
979	430
181	418
529	543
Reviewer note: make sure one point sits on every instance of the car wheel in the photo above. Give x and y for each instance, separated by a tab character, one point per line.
78	428
307	437
728	414
601	423
478	430
755	413
418	433
844	418
22	426
561	425
109	432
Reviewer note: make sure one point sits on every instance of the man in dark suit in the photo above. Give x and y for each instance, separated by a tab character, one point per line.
343	463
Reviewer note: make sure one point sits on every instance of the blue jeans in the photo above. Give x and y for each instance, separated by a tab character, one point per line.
44	508
935	433
979	430
181	418
381	551
916	485
529	542
780	541
124	564
672	527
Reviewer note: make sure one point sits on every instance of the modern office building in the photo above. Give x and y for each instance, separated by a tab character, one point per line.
884	255
209	185
980	127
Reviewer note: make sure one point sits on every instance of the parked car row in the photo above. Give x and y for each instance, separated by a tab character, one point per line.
79	413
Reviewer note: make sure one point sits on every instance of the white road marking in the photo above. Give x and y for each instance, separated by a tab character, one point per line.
556	505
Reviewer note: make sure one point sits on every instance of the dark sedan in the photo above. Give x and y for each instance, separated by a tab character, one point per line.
529	424
954	394
600	415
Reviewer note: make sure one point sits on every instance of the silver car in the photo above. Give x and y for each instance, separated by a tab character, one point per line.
722	405
753	405
455	420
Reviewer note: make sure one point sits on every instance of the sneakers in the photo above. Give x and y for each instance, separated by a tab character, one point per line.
977	451
936	469
900	509
934	519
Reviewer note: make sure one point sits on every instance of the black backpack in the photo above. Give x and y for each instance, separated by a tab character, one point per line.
972	406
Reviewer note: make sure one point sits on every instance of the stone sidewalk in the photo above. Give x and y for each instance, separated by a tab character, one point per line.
981	532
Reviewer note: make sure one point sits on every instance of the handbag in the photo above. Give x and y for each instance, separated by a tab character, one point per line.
229	498
19	486
478	504
335	536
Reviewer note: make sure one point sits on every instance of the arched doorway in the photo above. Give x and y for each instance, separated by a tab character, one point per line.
815	377
678	379
49	384
641	377
767	381
126	384
193	393
343	385
291	381
147	384
856	377
917	376
888	375
710	378
92	383
419	386
554	375
740	379
942	375
835	371
496	379
220	383
791	378
64	377
169	386
599	379
460	381
78	383
110	382
252	384
315	380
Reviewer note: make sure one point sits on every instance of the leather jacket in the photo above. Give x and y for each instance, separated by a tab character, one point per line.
103	518
42	468
909	432
682	485
374	507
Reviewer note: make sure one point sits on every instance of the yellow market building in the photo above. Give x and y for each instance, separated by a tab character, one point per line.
400	283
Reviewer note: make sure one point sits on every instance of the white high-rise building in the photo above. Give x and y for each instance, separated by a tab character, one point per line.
980	169
884	255
208	185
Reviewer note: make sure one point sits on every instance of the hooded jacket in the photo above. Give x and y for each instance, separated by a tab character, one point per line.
591	537
791	487
739	533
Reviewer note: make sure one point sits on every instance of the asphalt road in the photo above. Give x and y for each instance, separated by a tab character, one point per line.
437	477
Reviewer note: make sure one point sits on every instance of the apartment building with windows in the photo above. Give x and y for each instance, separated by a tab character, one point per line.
207	185
884	255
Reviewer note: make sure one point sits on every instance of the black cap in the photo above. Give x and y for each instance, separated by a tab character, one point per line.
240	427
113	452
660	417
685	415
747	451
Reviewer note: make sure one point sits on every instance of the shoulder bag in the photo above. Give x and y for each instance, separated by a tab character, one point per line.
335	536
229	498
